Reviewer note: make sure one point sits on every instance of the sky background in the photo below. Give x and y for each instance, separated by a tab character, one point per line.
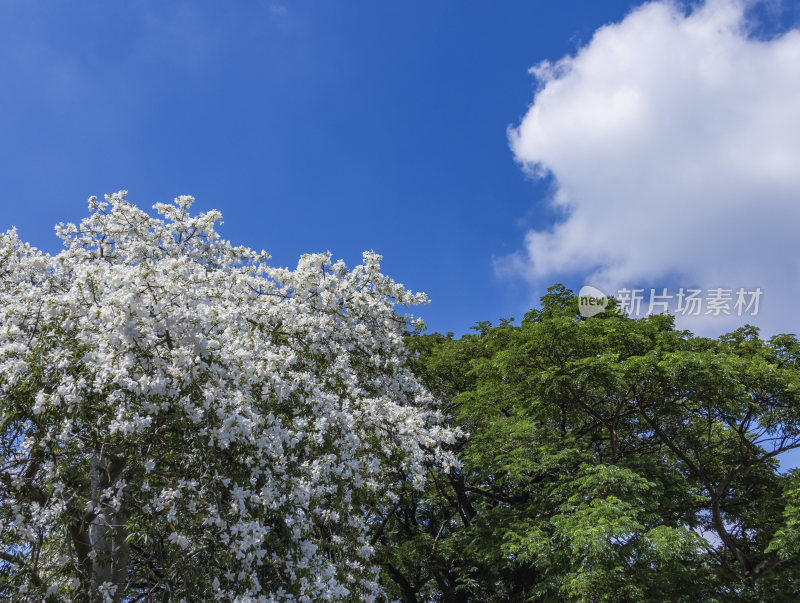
487	151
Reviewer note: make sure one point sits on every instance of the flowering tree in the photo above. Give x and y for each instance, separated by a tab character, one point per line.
180	420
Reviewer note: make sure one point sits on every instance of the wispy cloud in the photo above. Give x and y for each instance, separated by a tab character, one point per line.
277	8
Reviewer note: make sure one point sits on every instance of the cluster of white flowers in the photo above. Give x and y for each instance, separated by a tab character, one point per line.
238	421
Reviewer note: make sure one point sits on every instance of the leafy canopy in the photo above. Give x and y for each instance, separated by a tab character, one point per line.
609	459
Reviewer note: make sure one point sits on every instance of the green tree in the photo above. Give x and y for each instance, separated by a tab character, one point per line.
608	459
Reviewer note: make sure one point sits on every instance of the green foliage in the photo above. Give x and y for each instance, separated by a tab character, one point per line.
608	459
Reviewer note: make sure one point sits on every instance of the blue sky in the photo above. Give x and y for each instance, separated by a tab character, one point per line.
347	126
311	126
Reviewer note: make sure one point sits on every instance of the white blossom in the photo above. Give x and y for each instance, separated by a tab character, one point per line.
275	404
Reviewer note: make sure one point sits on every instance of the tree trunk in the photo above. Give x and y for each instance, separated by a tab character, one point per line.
106	532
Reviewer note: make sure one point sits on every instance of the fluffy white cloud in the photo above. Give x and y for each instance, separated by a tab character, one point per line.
674	142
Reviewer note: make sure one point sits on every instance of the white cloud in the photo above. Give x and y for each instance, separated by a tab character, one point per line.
674	143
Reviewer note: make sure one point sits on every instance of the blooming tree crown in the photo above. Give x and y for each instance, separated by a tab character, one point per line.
179	415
